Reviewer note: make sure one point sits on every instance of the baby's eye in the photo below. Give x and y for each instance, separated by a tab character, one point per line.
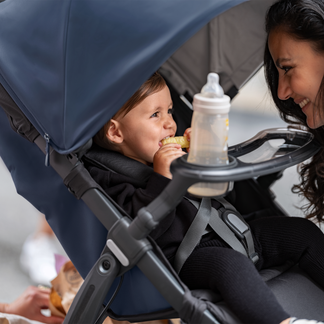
171	111
155	114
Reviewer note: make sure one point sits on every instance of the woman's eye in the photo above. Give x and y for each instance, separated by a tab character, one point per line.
286	68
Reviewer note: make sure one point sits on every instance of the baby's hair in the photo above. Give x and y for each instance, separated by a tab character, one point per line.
154	84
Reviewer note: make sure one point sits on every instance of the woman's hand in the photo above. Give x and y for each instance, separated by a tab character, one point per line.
163	158
30	303
187	134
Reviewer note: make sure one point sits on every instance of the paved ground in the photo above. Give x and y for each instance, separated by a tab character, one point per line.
250	114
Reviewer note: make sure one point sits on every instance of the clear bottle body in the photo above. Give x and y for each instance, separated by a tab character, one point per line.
208	146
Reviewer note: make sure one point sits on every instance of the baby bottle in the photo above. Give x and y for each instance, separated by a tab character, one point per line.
209	134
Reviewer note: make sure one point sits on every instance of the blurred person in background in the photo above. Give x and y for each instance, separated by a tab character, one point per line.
29	306
37	255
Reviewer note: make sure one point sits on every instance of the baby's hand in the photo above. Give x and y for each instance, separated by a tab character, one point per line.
187	134
163	158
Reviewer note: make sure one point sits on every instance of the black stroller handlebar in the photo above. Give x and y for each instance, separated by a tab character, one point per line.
299	140
297	147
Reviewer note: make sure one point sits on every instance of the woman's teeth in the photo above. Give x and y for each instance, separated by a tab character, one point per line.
304	103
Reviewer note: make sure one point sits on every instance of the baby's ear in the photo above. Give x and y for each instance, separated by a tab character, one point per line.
114	133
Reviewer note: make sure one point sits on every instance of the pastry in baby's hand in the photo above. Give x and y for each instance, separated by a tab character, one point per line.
182	140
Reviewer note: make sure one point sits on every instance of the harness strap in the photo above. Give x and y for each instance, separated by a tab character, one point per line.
234	220
194	233
226	204
219	227
231	227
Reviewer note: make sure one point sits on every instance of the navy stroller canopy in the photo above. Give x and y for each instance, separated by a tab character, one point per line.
70	65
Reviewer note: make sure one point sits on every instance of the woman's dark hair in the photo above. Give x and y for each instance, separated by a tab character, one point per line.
303	20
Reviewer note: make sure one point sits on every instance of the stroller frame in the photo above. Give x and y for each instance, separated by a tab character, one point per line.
127	243
130	237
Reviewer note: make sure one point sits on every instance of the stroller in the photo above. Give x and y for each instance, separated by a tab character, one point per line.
65	68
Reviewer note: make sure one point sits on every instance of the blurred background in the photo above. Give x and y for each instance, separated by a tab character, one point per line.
252	111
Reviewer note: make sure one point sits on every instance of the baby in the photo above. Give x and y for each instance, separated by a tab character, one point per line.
138	133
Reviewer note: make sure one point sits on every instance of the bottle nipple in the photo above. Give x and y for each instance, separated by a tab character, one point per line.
212	88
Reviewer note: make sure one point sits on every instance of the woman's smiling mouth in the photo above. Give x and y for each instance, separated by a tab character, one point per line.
304	103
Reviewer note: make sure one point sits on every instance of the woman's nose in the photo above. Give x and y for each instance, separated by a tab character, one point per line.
284	89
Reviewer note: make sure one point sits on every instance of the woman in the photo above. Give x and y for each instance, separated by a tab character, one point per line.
294	68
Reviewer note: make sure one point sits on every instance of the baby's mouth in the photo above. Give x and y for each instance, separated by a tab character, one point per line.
160	143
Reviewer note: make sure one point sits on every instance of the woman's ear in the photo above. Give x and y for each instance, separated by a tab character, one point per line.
114	133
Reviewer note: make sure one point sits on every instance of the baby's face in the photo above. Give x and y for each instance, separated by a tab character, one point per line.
146	125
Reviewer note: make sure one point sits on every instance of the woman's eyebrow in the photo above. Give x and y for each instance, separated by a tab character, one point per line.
279	61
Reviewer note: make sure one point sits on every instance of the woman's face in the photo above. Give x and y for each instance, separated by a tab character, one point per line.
301	71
